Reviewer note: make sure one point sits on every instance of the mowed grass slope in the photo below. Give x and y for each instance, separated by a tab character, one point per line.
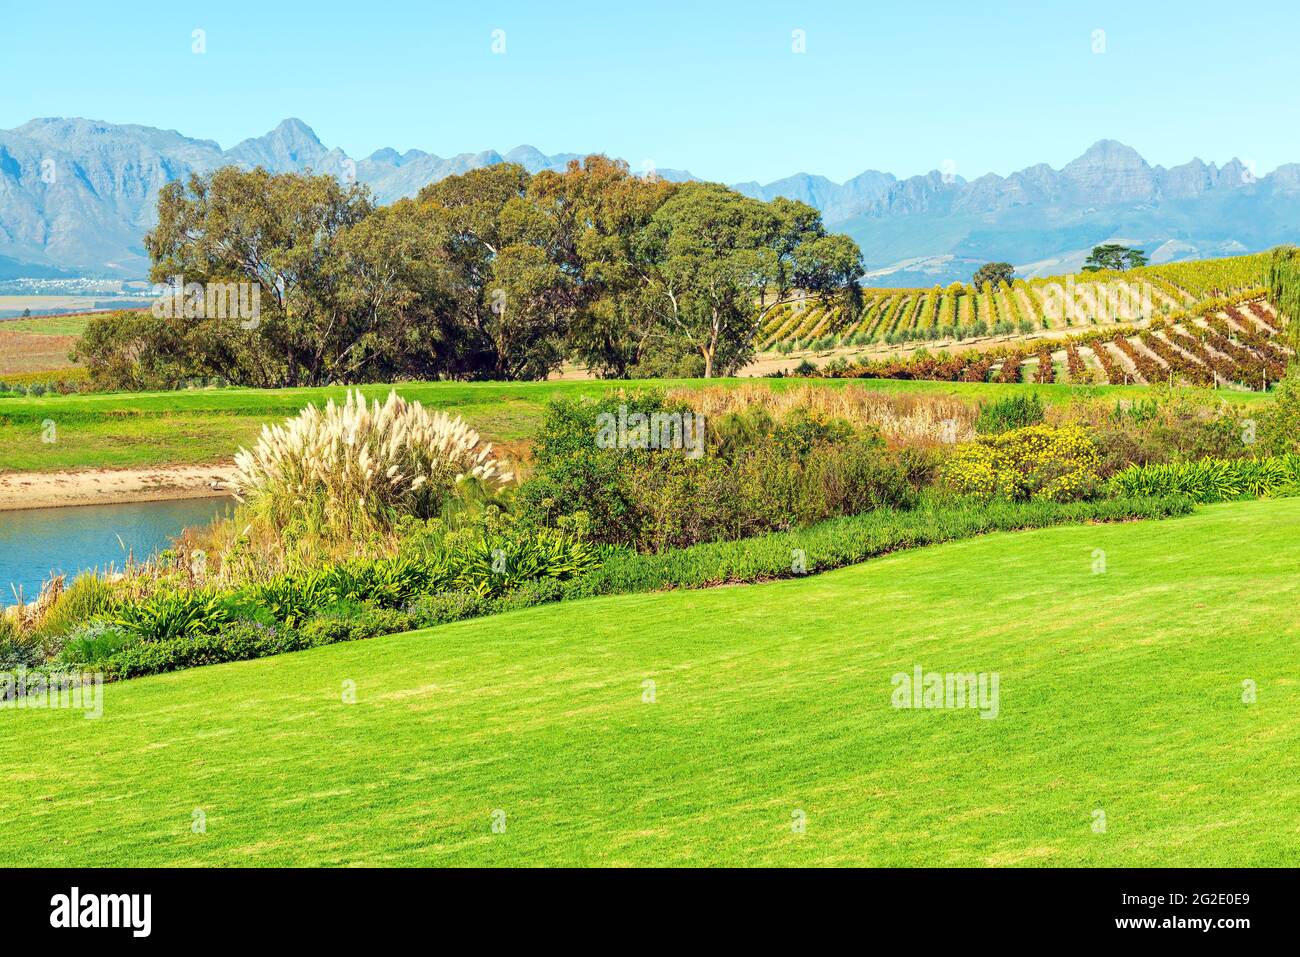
1120	692
200	426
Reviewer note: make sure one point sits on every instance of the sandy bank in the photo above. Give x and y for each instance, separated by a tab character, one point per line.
110	486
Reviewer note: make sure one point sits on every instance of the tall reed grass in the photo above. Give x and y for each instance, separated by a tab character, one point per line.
353	468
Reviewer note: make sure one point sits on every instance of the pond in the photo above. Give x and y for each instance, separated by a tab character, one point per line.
36	542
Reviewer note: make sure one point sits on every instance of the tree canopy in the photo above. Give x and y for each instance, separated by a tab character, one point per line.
493	274
994	274
1114	256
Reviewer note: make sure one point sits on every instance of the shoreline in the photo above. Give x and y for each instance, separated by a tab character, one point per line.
101	486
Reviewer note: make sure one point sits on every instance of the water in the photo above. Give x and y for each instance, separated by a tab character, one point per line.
36	542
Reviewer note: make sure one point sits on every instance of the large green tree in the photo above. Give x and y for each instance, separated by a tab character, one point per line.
993	274
715	263
335	278
493	274
513	284
599	209
1114	256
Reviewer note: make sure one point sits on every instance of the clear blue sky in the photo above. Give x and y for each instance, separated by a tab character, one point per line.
705	85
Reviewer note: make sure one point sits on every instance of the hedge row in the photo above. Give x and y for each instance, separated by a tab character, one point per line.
819	548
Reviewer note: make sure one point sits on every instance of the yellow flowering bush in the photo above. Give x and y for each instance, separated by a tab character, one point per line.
1037	462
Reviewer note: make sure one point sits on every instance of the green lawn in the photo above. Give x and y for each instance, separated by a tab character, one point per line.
1120	692
200	426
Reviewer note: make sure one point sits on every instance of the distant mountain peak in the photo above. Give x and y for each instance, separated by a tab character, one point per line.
91	216
292	145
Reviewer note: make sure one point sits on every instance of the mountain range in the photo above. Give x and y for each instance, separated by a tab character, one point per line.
76	197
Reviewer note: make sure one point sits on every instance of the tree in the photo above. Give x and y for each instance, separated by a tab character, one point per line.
994	274
715	263
512	290
283	235
133	350
599	208
493	274
1114	256
27	314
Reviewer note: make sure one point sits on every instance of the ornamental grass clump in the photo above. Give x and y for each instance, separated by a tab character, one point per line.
1037	462
1213	480
356	467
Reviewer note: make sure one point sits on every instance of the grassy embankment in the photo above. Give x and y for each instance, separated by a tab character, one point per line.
1120	693
123	430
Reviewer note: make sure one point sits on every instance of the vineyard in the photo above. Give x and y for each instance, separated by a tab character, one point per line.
1236	346
1175	293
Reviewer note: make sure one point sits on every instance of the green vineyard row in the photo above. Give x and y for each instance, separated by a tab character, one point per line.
1173	292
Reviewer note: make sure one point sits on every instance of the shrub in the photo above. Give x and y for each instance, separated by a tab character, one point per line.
1013	412
355	466
1213	480
348	625
1278	430
848	540
175	614
572	473
93	642
861	476
239	642
1038	462
16	650
88	597
1167	426
499	563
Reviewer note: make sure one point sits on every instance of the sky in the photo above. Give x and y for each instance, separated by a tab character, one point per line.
715	87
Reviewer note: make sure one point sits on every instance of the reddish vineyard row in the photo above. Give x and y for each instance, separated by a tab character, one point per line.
1238	347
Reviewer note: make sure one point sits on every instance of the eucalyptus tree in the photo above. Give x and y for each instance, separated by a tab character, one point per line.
715	263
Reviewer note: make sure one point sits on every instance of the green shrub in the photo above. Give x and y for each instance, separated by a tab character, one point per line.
16	650
238	642
352	625
176	614
1278	422
92	642
1213	480
847	541
572	473
1013	412
88	597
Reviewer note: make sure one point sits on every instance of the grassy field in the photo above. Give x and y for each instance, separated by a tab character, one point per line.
202	426
47	325
1120	693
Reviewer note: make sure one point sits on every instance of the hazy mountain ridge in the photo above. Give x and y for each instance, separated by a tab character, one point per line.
77	195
